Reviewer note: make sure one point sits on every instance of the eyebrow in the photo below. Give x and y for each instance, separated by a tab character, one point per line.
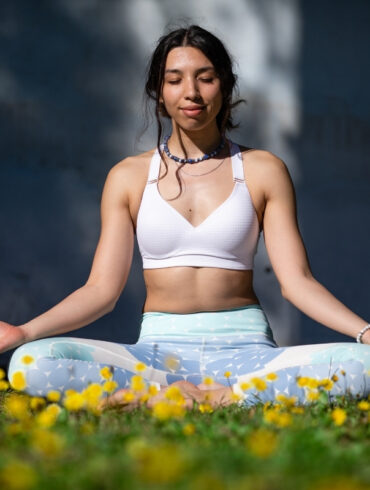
200	70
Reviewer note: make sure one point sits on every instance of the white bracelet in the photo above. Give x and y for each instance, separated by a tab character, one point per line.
361	333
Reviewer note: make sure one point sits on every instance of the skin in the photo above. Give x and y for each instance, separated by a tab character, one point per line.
190	80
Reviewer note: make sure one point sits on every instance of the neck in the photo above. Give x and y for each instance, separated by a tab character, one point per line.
193	144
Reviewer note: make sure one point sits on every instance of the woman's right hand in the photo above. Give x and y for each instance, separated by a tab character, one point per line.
10	336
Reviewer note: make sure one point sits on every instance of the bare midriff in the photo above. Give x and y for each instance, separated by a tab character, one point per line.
196	289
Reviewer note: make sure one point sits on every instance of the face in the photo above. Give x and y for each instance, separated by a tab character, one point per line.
191	89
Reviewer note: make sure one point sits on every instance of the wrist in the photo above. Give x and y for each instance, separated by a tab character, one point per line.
363	336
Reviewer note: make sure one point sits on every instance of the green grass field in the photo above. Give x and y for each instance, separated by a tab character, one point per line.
321	446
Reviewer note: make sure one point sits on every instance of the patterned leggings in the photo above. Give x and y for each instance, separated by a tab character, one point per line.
191	346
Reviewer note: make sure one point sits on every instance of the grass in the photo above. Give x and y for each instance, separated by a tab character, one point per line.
321	446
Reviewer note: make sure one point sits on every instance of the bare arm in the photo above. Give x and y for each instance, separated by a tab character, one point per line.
289	259
108	275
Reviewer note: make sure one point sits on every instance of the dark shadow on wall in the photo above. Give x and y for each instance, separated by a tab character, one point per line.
333	150
60	97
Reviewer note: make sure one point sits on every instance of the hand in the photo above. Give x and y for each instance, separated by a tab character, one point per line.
366	337
10	336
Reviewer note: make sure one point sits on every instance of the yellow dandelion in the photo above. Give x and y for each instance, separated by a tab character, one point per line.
70	392
54	409
262	442
137	383
144	398
110	386
271	376
92	392
4	385
363	405
343	373
188	429
227	374
205	408
140	366
245	386
302	381
17	406
152	390
49	444
2	373
286	400
74	402
174	393
326	383
334	378
27	359
18	381
172	363
312	396
235	397
37	402
208	380
338	415
128	397
298	410
313	383
259	383
162	410
106	373
18	475
45	419
53	396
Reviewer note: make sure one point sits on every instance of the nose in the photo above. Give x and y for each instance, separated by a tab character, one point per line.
191	90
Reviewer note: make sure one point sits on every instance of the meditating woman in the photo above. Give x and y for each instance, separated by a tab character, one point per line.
197	203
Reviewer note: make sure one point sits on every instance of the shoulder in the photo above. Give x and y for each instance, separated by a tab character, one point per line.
128	176
265	167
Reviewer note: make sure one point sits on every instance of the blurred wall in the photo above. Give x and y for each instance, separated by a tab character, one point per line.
71	78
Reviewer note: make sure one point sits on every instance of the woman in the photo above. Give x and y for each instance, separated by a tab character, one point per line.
197	204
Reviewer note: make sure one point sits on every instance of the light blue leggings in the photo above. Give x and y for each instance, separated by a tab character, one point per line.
191	346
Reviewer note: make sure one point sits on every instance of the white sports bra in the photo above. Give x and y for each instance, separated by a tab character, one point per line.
226	239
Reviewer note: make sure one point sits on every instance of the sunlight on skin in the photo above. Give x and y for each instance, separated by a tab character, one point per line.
221	395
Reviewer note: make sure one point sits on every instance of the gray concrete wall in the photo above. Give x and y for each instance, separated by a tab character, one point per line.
71	79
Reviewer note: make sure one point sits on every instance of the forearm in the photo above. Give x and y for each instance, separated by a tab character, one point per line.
80	308
313	299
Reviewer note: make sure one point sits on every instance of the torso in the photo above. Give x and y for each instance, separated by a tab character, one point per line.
191	289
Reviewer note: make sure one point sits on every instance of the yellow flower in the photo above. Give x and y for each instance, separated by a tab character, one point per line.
17	475
128	396
205	408
174	393
106	373
339	416
312	396
262	442
74	402
279	419
53	396
49	444
271	376
27	359
172	363
227	374
313	383
47	417
188	429
235	397
140	366
137	383
208	380
37	402
110	386
245	386
144	398
326	383
18	381
298	410
2	373
285	400
4	385
363	405
259	384
302	381
152	390
70	392
334	378
164	410
17	406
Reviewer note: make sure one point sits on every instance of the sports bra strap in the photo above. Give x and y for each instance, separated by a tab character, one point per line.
154	167
237	162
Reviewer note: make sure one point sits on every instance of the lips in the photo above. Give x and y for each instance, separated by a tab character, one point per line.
192	110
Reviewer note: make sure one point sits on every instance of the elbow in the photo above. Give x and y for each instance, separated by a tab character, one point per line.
289	289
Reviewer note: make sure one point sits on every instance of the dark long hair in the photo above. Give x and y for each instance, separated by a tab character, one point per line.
196	37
